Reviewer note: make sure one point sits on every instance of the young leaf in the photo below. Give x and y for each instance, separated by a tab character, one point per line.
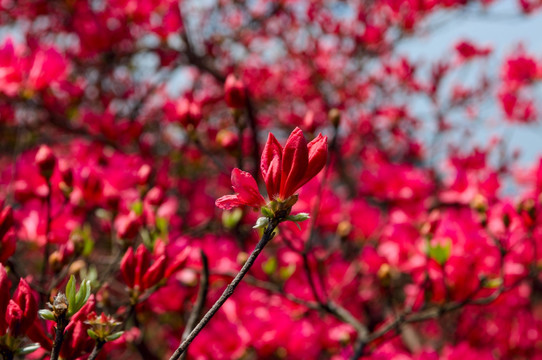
270	266
46	314
82	295
440	253
70	294
92	334
298	217
28	349
114	336
267	212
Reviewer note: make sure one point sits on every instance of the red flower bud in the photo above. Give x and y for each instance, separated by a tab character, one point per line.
154	273
7	246
5	285
189	113
6	220
128	226
45	160
127	268
235	92
22	310
137	271
286	170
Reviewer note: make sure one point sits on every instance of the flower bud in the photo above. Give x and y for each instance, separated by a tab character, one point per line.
189	113
334	116
235	92
45	160
227	139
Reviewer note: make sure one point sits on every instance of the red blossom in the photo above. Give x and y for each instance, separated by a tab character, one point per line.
235	92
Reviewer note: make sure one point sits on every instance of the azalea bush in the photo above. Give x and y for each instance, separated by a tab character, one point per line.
264	180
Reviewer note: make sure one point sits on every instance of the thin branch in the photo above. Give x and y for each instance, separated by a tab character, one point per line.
267	236
61	324
96	350
200	302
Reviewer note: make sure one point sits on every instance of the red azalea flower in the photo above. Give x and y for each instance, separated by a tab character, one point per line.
284	170
247	192
234	92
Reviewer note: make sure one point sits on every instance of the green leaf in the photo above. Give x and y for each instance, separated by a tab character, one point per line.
70	294
441	253
114	336
270	266
161	225
137	207
46	314
267	212
261	223
298	217
28	349
493	283
230	219
82	295
92	334
286	272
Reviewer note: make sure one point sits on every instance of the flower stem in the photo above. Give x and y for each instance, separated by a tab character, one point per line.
267	236
61	324
96	350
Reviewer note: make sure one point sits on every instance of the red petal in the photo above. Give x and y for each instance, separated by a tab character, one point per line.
5	285
127	268
317	158
272	179
178	262
245	186
295	157
228	202
155	273
143	261
24	297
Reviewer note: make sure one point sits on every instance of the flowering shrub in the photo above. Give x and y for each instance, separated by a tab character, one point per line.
124	126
